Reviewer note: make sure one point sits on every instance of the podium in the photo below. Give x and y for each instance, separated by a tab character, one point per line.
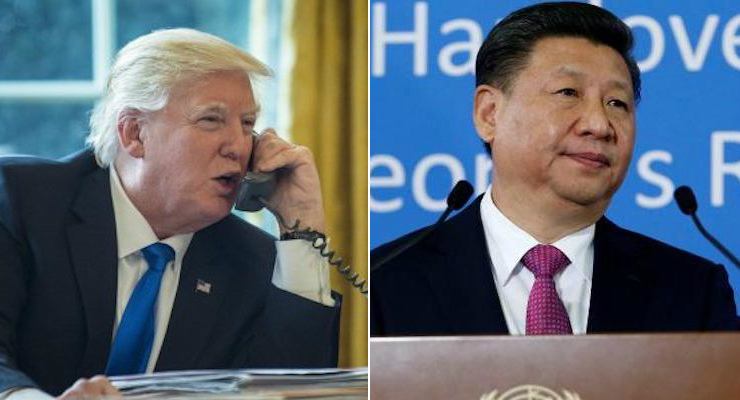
627	366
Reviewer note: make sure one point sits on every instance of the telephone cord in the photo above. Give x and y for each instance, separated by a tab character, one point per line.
320	242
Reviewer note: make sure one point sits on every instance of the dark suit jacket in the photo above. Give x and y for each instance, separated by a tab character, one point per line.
444	285
58	279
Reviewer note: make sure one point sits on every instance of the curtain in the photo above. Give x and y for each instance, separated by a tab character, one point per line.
329	105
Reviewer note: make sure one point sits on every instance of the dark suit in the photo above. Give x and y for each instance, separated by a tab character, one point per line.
444	285
58	280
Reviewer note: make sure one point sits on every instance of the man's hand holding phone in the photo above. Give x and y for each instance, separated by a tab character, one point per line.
297	193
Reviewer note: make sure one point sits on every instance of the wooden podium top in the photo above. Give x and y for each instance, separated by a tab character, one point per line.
633	366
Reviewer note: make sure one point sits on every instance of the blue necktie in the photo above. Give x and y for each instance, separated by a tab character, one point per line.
133	342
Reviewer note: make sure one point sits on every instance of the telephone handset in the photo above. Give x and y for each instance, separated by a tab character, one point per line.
254	187
257	186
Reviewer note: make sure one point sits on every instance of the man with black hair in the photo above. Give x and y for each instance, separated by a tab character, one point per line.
555	99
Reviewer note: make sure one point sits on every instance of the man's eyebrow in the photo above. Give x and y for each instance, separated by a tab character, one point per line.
253	112
222	109
620	84
218	107
573	73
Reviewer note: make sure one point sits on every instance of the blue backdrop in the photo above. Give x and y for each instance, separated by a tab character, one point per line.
422	63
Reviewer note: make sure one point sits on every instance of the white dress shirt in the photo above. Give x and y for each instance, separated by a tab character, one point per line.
507	243
299	269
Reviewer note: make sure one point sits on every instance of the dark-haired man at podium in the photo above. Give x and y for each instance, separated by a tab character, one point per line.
557	89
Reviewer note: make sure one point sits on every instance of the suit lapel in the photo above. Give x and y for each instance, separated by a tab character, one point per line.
462	279
618	292
194	312
92	243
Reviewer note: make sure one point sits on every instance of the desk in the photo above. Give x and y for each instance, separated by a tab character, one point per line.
247	384
633	366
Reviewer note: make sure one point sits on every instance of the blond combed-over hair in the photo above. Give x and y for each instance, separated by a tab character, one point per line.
146	70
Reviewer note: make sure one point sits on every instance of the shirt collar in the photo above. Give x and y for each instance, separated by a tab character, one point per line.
133	232
513	242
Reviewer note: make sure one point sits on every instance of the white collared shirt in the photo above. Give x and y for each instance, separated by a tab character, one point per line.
133	233
507	243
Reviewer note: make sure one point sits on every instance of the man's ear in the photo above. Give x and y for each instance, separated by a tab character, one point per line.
129	128
486	104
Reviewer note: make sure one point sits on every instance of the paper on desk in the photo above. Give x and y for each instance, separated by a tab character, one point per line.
248	383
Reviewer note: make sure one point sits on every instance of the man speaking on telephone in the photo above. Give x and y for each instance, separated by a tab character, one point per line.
554	103
125	258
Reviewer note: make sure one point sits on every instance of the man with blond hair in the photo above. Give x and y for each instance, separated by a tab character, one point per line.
125	258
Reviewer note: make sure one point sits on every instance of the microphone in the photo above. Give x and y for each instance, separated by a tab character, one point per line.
457	198
686	200
687	204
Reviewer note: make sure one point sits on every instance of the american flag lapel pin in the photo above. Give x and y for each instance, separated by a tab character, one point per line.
203	286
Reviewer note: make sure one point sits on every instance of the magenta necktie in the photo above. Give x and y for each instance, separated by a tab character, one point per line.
546	313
